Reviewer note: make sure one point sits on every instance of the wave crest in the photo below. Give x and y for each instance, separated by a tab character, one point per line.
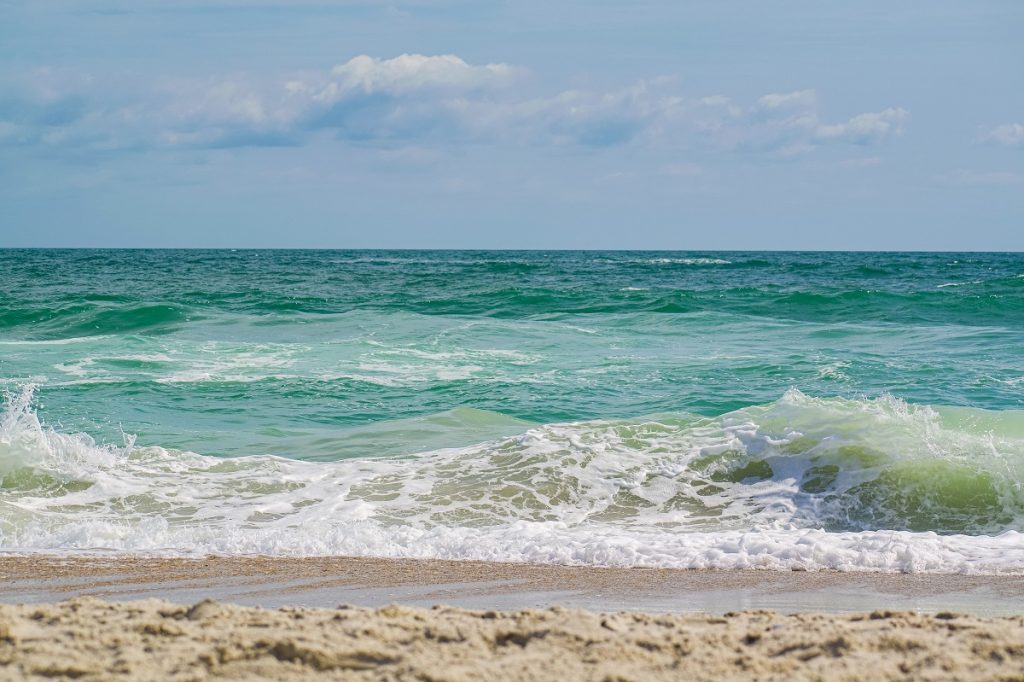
801	482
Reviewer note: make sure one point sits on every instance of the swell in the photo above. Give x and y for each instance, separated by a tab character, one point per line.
85	318
63	294
998	309
798	483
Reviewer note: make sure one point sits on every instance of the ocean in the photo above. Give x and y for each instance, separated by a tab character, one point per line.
851	411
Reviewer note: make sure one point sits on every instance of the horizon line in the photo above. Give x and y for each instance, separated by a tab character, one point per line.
498	249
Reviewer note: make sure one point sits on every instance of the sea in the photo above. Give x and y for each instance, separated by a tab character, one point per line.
730	410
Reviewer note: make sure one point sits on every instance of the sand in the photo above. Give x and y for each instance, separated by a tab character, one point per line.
329	581
108	618
90	639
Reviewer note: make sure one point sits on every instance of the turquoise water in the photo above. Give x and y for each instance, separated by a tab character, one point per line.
598	407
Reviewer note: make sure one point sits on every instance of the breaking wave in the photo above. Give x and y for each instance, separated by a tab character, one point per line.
800	483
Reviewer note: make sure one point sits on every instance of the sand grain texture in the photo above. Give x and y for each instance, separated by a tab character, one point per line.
89	639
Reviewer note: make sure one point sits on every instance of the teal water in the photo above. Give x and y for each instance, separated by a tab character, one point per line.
422	366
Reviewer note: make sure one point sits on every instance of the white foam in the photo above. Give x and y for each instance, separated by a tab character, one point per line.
558	543
834	371
53	342
687	261
618	493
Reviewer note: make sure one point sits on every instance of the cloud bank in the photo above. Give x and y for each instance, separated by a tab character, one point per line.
417	99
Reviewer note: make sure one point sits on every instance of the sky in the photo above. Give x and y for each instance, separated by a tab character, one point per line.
531	124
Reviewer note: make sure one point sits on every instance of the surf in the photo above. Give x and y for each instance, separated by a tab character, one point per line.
800	483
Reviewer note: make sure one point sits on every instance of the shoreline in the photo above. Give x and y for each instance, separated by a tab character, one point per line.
275	582
99	618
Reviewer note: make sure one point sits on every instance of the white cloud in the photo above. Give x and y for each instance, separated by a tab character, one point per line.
216	102
412	72
790	124
364	98
1009	135
596	119
417	100
865	127
802	99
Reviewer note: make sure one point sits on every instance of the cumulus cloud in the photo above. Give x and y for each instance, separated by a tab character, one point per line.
415	100
1008	135
407	96
413	72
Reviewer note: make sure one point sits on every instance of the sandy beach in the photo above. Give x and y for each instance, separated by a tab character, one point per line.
89	639
99	618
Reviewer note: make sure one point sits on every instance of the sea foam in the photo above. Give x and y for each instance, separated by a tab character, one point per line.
801	483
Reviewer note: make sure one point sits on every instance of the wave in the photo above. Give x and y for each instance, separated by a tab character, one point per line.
67	294
682	261
970	303
85	319
800	483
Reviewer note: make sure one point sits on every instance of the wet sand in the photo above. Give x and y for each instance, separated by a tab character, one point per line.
329	581
333	618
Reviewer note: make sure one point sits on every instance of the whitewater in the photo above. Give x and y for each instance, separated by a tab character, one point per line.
683	410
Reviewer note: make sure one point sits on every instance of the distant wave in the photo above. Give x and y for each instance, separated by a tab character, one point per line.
939	305
684	261
992	303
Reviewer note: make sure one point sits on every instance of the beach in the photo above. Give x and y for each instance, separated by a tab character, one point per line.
511	465
491	341
97	618
153	639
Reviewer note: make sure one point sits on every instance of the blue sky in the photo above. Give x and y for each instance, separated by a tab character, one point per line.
458	124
